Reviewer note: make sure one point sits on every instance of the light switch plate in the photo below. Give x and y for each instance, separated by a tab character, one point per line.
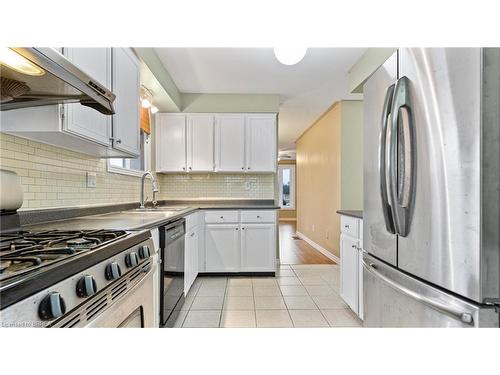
91	179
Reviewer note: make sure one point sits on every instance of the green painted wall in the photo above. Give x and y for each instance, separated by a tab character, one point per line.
262	103
366	65
352	155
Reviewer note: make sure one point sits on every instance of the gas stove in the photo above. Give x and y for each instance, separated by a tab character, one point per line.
24	252
74	278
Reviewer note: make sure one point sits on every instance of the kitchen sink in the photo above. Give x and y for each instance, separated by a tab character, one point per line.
160	209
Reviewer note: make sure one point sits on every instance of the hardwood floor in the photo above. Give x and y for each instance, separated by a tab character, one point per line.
297	251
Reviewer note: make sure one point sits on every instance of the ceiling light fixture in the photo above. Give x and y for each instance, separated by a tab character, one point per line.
145	103
289	56
12	59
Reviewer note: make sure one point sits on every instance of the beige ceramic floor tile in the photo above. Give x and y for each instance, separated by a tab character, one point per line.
300	303
264	281
329	302
202	319
266	291
288	281
211	291
273	319
312	280
341	318
320	290
285	273
239	303
307	273
239	281
180	319
188	301
308	318
284	267
239	291
238	319
207	303
214	281
269	303
293	290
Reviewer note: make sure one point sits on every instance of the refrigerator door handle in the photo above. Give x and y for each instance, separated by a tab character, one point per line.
402	157
382	165
464	317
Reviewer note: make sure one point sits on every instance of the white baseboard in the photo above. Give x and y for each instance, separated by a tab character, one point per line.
287	219
318	247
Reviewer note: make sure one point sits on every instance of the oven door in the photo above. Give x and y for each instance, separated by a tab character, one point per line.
128	302
133	310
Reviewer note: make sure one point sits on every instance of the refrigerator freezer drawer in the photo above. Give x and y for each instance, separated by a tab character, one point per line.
394	299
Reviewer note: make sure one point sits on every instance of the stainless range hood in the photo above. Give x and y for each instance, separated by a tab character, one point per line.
42	76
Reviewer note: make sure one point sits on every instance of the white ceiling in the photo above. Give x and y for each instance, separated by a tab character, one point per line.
306	89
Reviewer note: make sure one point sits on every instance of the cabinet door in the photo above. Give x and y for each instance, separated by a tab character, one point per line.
200	143
230	143
191	259
258	247
126	86
349	271
360	284
84	121
170	143
222	248
261	143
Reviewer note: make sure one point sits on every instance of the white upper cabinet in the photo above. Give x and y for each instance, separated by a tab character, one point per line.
230	143
83	129
236	143
200	143
170	143
126	87
261	155
84	121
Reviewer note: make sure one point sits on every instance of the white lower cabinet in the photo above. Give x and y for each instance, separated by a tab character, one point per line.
351	269
222	247
244	245
257	240
191	258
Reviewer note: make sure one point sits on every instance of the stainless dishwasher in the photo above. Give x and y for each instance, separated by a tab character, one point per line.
172	265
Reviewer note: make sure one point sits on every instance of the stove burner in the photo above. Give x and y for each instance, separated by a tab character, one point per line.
23	251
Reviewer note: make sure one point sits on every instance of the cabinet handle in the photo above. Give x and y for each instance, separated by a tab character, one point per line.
236	228
346	226
118	141
192	235
222	217
354	246
249	168
258	217
190	168
183	168
242	228
242	168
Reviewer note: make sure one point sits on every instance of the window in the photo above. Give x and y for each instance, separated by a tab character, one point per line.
287	186
137	166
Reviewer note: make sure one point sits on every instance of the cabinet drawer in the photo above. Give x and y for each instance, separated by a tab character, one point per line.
191	221
349	226
221	217
261	216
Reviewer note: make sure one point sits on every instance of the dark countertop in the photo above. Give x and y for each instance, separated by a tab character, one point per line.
126	217
353	213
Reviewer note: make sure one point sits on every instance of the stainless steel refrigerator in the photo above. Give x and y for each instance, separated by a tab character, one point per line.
432	189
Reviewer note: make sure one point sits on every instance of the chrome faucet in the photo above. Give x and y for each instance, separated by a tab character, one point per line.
154	184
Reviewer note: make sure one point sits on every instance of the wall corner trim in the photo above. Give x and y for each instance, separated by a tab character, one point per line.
318	247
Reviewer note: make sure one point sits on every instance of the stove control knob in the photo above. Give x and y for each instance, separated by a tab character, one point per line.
51	307
131	260
144	252
112	271
86	287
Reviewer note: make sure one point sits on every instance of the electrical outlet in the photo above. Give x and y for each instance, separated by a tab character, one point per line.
91	179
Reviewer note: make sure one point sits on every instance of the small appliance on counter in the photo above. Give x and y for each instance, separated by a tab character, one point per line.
75	278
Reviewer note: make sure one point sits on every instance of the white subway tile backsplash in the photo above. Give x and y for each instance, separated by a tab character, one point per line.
55	177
